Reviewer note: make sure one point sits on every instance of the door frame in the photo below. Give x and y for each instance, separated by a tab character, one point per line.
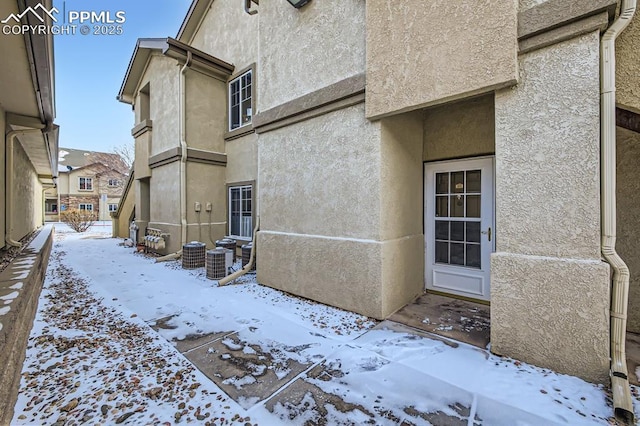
429	170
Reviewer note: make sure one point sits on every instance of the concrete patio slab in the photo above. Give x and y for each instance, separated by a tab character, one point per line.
460	320
244	371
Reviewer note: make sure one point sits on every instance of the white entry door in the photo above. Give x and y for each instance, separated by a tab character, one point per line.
459	226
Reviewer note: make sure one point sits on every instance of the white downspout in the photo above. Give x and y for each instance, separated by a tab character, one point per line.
183	162
622	404
10	140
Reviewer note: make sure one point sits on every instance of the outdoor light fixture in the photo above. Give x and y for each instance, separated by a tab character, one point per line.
298	3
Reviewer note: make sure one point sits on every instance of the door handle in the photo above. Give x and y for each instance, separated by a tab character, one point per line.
487	233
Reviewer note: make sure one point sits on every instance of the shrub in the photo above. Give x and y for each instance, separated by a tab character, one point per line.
78	220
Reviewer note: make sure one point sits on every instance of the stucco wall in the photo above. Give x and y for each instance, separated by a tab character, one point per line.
627	66
550	291
461	129
549	125
322	176
552	312
528	4
228	33
3	176
206	112
163	75
302	50
164	194
26	206
213	191
242	159
420	55
628	216
341	210
122	222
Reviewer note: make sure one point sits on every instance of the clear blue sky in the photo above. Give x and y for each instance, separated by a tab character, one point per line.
90	69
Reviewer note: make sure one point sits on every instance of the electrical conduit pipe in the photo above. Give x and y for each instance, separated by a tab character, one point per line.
183	162
10	141
622	404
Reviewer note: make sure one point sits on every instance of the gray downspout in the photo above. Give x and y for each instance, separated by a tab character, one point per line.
622	404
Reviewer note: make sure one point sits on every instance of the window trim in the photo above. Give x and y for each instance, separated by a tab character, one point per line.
112	204
87	179
252	185
86	209
115	184
247	128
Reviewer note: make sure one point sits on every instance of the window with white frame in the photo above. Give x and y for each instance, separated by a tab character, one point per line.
240	211
86	184
113	207
113	182
87	207
240	94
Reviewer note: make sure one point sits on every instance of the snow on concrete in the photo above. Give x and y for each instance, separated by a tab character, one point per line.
383	375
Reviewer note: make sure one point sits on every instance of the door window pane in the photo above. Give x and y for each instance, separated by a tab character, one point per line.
473	181
457	254
442	230
457	182
457	205
473	232
473	205
442	206
442	183
473	255
442	252
457	231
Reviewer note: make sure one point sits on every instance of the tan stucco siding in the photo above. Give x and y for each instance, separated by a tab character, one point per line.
242	159
549	288
552	312
122	222
419	55
163	76
164	194
205	184
26	207
303	50
627	66
401	202
528	4
461	129
228	33
548	154
628	216
206	112
304	166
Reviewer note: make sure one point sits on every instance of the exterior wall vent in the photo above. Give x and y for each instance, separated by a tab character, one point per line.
217	265
229	244
193	255
246	255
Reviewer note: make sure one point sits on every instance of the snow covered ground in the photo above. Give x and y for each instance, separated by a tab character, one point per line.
94	358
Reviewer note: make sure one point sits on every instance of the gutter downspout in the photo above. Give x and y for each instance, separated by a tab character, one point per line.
183	162
622	404
10	140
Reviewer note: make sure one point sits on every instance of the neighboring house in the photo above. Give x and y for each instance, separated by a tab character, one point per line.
87	180
390	147
29	150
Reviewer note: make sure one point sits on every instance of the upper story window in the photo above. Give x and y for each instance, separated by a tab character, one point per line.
86	207
113	207
240	94
86	184
113	182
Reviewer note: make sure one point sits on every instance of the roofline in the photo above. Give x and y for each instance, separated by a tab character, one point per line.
174	49
193	19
